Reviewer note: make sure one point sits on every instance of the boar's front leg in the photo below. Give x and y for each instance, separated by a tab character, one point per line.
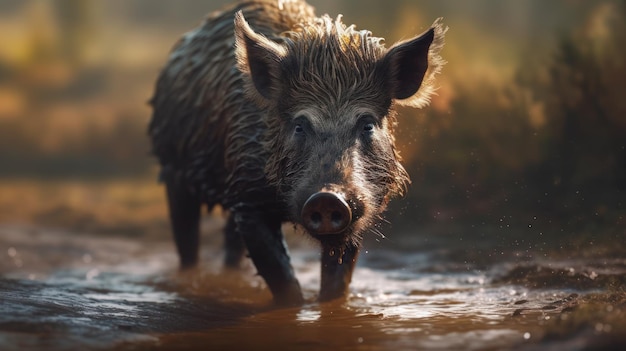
264	240
337	267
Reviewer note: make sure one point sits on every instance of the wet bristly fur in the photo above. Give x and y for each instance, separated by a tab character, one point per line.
230	137
203	130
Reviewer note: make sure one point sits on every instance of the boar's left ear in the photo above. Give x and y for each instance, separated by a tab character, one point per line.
410	66
258	58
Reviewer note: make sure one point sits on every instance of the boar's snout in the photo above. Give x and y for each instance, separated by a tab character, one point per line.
326	212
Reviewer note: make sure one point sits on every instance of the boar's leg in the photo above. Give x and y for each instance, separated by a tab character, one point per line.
233	244
264	240
185	217
337	270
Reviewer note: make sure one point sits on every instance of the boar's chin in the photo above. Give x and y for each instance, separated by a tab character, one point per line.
352	235
337	241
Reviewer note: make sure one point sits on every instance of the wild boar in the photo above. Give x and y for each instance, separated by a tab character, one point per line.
281	116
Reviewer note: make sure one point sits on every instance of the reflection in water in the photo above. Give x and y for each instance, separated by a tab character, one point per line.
65	291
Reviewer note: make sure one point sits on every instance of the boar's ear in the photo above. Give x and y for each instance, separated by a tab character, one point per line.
410	66
258	58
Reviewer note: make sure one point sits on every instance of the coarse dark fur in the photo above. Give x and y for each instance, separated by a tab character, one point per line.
257	110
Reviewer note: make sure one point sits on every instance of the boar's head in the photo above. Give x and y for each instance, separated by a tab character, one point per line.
328	92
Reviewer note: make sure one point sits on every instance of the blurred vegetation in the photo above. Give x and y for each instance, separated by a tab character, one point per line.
583	142
529	120
549	143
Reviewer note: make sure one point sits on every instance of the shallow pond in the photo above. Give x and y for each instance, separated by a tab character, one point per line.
66	291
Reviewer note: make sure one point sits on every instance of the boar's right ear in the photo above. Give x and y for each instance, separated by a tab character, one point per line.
258	58
410	66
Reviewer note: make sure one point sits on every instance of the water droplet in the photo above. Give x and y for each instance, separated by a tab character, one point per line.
12	252
331	253
340	260
92	274
526	336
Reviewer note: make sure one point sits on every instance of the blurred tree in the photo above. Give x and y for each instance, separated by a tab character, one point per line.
77	25
584	161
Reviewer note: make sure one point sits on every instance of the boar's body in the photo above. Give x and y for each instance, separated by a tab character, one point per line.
278	115
203	128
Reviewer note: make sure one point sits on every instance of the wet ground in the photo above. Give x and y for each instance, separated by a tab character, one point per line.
68	289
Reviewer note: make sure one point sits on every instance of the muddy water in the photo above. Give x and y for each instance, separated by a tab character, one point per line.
68	291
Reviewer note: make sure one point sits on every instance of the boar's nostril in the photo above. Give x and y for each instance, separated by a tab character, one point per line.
336	217
326	213
315	220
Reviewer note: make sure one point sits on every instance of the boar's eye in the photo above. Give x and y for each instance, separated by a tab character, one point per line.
301	126
368	127
367	124
298	130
